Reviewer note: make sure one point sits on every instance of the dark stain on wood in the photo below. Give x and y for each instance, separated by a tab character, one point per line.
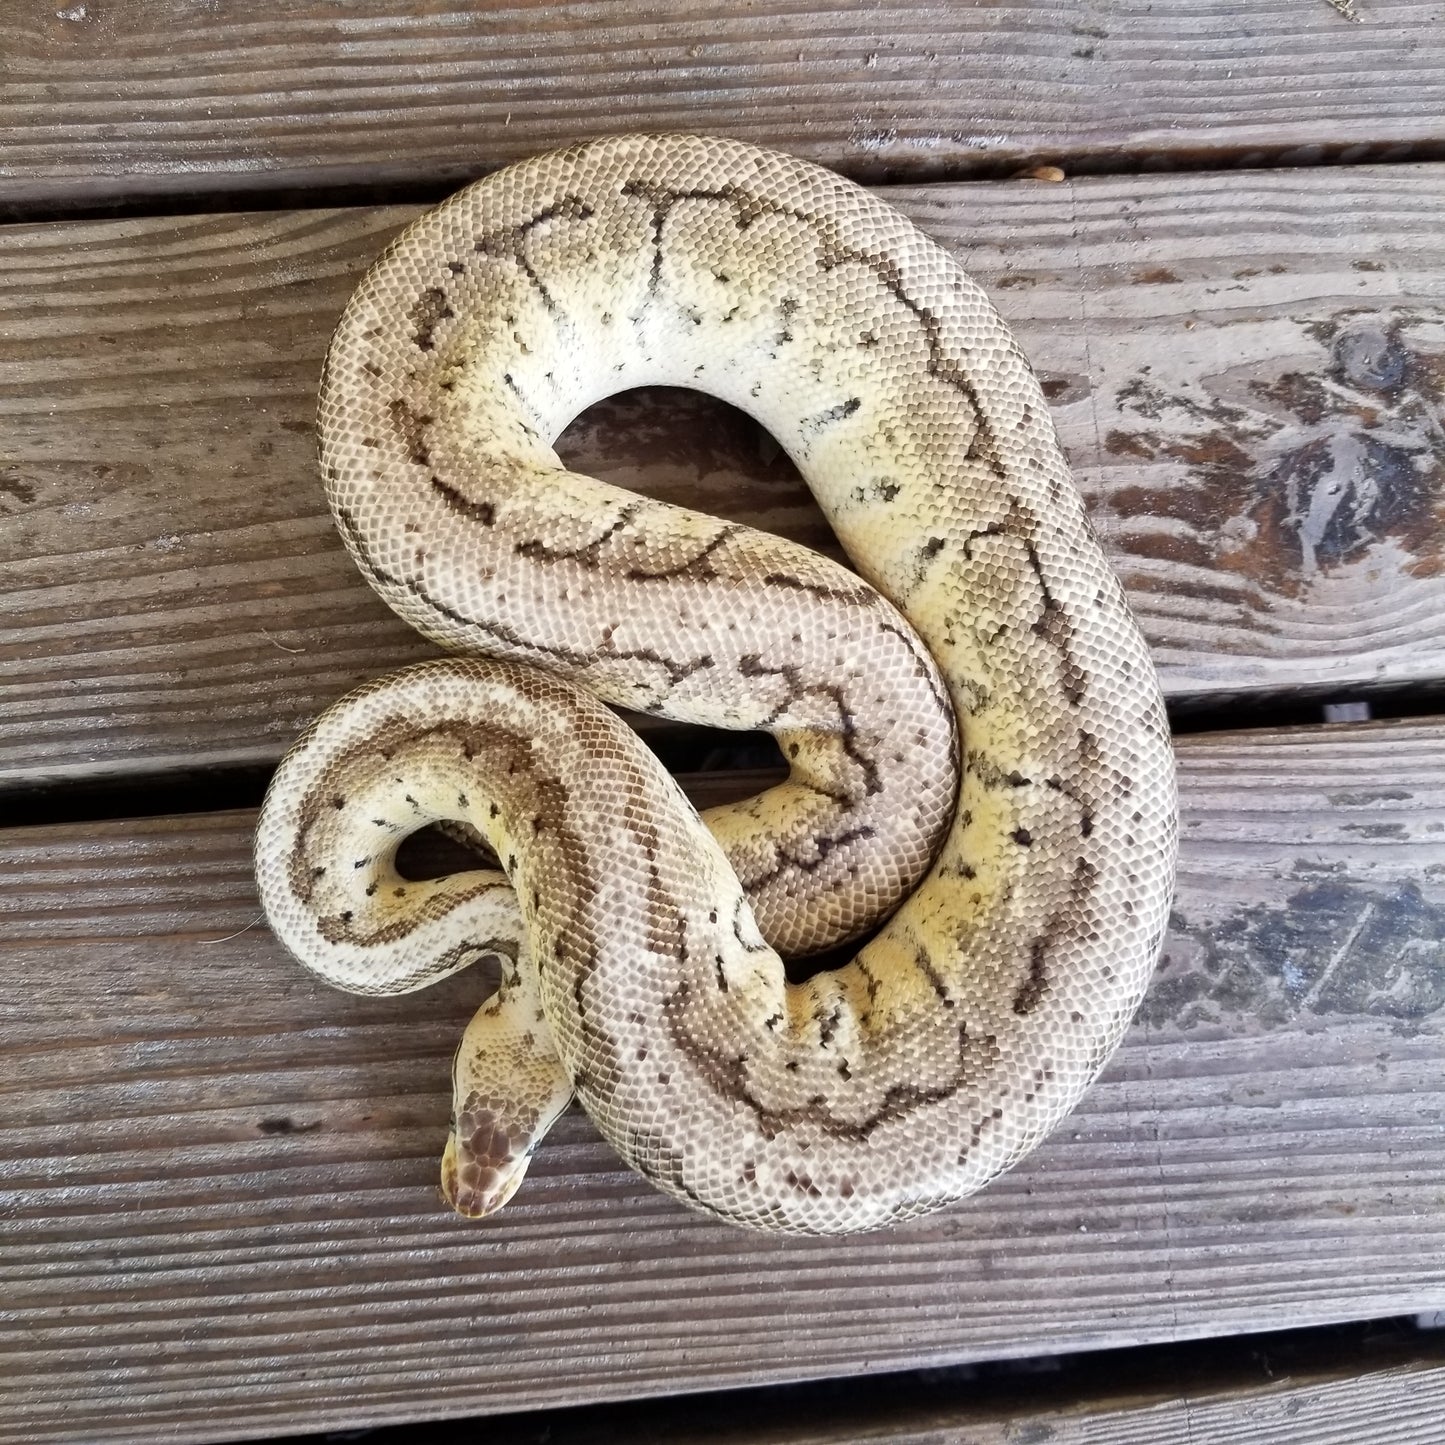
1323	466
1064	388
1363	800
12	486
1333	948
1396	831
285	1125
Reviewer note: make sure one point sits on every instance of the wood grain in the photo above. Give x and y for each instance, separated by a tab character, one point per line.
1248	373
1372	1408
1381	1396
102	101
218	1210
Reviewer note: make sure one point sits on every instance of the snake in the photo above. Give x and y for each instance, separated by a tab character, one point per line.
980	788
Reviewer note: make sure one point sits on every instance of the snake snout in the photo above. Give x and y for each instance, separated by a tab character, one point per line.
481	1167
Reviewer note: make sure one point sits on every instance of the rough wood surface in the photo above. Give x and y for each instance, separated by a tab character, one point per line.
1248	373
1377	1408
218	1212
100	101
1385	1394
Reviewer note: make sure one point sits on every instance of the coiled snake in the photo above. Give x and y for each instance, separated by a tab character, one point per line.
1009	777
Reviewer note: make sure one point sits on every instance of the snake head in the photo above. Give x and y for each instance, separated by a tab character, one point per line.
486	1156
508	1088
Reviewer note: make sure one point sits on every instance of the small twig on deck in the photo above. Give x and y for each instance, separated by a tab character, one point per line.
257	919
1346	8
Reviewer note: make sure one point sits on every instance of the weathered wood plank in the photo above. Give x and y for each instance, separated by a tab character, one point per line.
105	101
1248	373
1376	1408
217	1202
1388	1392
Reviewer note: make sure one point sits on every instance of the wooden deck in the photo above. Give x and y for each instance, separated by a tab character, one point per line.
218	1216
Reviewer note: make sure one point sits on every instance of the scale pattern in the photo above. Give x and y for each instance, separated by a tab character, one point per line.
984	741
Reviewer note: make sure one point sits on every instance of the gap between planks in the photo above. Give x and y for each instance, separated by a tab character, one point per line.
1376	1384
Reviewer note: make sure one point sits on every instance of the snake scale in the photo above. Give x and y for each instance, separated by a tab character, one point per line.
977	748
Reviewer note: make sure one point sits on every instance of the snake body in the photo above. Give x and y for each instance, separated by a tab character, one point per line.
982	748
